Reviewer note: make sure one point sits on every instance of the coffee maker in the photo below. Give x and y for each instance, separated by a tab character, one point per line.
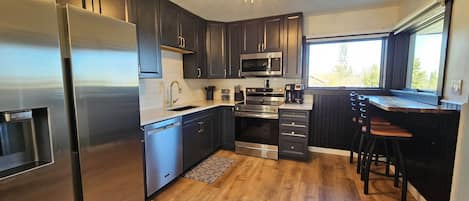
294	93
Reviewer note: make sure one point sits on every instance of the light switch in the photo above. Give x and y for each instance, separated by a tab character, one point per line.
456	86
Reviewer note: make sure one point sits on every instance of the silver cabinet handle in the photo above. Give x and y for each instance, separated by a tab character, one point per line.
258	47
263	47
293	116
294	125
225	73
183	42
199	73
293	135
239	72
179	41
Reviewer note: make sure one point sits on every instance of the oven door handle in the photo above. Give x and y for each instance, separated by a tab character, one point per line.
256	115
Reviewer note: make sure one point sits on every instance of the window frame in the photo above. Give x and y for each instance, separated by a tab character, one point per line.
351	38
411	57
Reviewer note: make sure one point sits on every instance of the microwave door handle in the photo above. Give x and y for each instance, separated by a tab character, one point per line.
269	65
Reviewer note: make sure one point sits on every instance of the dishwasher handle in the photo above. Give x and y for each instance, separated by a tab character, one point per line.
161	126
159	129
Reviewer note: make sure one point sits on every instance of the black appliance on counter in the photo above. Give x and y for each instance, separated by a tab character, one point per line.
209	92
239	94
294	93
257	124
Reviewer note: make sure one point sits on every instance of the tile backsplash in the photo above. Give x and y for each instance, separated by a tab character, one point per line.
154	93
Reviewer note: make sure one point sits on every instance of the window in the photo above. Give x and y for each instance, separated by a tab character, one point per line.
424	57
353	63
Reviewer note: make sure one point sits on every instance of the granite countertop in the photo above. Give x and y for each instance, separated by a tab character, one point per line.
149	116
397	104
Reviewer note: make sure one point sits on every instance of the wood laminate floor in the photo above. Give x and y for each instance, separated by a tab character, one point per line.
323	178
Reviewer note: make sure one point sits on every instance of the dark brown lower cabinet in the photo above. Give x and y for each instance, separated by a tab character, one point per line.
294	134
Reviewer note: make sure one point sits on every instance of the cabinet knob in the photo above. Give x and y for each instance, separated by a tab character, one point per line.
292	147
293	123
293	132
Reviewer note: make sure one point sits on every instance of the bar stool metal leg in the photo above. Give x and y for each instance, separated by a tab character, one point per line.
402	168
368	165
360	153
352	145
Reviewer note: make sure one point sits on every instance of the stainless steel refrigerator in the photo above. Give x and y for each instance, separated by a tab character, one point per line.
69	110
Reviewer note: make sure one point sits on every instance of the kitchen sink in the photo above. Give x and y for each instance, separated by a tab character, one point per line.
182	108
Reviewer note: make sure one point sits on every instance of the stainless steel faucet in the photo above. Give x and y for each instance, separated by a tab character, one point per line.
171	101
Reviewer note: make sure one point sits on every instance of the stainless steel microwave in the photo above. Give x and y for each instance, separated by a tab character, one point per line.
261	64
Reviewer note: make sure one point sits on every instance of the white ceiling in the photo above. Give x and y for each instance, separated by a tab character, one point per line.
233	10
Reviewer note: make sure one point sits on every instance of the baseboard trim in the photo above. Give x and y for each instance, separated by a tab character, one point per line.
410	188
328	151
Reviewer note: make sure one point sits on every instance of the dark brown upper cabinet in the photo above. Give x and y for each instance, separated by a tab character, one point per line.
216	50
169	26
234	48
112	8
252	36
178	28
263	35
195	64
272	35
149	52
293	48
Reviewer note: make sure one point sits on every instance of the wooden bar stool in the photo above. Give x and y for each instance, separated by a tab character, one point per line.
388	133
356	123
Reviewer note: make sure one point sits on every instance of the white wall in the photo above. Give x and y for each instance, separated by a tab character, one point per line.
457	60
459	191
154	92
364	21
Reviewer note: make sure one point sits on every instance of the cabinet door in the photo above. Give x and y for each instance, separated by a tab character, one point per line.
188	30
148	39
169	26
272	35
227	128
293	48
251	36
194	64
205	136
216	53
191	144
114	8
234	47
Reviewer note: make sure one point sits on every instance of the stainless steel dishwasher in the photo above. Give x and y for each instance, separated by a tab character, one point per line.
163	153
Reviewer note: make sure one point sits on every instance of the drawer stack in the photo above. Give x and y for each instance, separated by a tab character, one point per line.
294	134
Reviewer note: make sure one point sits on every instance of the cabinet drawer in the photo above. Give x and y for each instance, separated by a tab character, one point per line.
302	134
294	115
294	123
293	146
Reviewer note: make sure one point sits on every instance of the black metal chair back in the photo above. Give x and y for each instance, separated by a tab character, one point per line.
354	106
365	118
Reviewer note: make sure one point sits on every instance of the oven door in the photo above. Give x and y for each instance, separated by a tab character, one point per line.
261	128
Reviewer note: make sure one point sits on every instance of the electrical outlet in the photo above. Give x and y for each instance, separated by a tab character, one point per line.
456	86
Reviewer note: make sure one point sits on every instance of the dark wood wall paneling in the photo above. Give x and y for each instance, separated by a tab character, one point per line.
331	118
430	154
